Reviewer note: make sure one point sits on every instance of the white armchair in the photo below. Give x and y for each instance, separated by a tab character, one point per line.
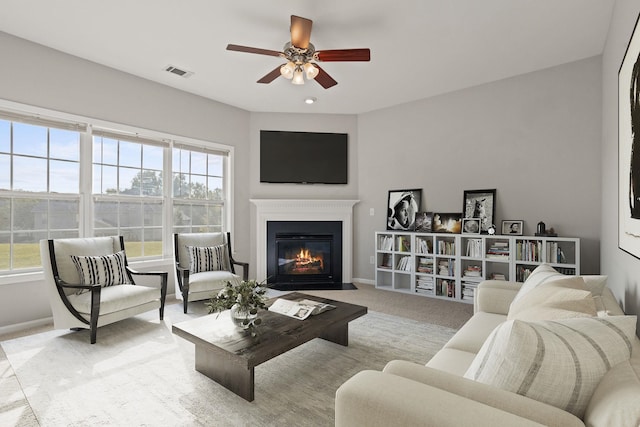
202	282
91	285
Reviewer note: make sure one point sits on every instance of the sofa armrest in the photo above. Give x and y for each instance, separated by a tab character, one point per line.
484	394
495	296
373	398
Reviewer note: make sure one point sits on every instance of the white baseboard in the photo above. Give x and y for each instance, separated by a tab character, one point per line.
364	281
19	327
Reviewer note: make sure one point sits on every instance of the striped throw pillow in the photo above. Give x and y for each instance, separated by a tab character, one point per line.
557	362
207	258
106	270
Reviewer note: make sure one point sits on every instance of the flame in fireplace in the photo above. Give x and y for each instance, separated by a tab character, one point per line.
304	259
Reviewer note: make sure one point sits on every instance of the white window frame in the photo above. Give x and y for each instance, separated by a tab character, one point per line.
86	165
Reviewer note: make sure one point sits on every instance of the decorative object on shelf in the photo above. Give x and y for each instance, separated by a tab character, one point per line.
471	226
491	230
629	147
402	208
480	204
424	222
447	223
512	227
243	299
541	230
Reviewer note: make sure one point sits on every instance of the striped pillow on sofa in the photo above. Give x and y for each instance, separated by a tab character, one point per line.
105	270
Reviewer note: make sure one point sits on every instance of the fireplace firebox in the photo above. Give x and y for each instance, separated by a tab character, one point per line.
304	253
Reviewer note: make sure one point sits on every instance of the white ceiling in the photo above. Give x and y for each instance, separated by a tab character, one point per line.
419	48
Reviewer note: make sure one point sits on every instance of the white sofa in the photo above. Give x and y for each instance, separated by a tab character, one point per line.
438	394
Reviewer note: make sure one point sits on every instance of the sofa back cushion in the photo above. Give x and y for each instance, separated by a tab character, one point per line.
557	362
557	299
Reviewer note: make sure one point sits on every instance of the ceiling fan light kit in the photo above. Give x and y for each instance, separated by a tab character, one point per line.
301	56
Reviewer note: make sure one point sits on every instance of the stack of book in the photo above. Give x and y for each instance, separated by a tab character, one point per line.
498	250
468	291
425	265
424	284
498	276
445	268
473	271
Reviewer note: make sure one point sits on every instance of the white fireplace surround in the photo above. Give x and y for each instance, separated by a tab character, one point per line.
304	210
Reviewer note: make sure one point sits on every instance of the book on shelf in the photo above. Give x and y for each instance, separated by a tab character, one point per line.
446	247
497	276
498	249
385	243
474	248
425	265
404	244
387	261
446	267
423	246
528	250
299	309
404	264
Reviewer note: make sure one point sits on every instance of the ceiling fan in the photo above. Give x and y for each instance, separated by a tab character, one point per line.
301	56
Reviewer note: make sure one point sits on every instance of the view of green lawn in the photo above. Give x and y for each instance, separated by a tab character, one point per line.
27	255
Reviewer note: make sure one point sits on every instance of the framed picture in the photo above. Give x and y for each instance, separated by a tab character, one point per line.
447	223
480	204
512	227
629	147
424	222
471	226
402	206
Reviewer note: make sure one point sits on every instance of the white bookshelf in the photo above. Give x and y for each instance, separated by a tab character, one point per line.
450	266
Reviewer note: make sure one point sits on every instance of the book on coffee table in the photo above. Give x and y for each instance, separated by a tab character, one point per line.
299	309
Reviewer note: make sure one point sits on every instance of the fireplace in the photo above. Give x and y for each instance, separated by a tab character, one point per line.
304	253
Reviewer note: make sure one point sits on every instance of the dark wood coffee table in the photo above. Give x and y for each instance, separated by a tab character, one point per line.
228	355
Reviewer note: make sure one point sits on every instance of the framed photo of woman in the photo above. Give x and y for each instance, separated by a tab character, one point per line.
402	207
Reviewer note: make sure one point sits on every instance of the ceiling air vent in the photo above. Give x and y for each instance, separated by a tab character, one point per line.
178	71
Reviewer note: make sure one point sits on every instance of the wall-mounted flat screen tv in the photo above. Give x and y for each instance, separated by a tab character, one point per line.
303	157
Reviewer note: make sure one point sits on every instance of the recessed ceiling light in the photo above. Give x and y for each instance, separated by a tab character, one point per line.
310	100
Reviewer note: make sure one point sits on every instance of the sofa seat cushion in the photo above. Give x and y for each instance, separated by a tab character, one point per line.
473	334
560	299
211	280
557	362
452	360
116	298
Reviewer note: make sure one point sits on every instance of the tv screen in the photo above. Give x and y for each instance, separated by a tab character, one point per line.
303	157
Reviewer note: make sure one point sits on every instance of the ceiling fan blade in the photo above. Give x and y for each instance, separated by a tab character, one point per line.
324	79
344	55
257	50
271	76
300	31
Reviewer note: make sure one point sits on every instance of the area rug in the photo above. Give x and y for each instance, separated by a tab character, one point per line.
140	374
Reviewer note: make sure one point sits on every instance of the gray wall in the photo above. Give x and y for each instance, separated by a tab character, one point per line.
623	269
535	138
47	78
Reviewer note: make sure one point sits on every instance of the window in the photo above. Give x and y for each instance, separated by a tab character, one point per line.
39	188
60	179
198	190
128	192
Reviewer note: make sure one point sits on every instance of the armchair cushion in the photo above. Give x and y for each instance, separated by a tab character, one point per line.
115	298
105	270
556	362
211	280
207	258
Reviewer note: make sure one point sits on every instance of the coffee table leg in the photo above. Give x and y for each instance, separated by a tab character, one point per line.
338	334
223	370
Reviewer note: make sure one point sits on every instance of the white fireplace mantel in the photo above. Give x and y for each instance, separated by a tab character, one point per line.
304	210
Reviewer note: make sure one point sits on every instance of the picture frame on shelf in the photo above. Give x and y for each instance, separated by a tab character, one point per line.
402	206
424	222
470	225
447	223
480	204
512	227
628	144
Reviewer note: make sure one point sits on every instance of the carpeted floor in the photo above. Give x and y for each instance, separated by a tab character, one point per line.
139	373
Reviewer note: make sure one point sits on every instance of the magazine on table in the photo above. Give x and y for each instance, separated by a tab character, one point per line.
299	309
